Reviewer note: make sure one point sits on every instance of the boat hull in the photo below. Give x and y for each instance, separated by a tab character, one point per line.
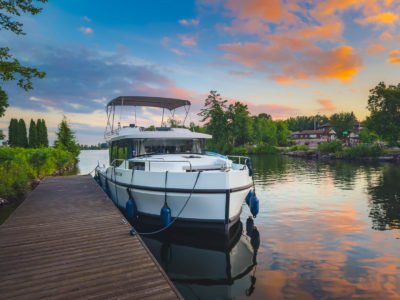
208	208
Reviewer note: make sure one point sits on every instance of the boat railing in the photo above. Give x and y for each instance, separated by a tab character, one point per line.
239	158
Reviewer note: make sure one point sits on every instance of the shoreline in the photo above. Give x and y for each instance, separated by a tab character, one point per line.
315	154
7	206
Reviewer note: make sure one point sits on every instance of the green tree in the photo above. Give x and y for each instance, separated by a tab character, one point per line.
13	133
282	133
43	140
342	122
367	136
66	139
3	106
240	125
384	106
10	67
214	114
300	123
33	135
22	139
265	131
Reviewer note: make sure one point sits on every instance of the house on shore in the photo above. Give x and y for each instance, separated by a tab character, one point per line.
325	133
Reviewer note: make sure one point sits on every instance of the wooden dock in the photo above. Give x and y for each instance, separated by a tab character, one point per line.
68	241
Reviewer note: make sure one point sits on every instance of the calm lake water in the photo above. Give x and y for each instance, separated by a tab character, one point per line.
324	231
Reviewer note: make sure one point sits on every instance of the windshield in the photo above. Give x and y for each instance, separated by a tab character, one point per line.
129	148
172	146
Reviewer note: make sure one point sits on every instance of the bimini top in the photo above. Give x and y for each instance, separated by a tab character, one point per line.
169	103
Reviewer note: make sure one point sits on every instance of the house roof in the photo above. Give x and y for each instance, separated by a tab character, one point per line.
309	132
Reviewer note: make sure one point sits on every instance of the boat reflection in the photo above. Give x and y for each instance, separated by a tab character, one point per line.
209	266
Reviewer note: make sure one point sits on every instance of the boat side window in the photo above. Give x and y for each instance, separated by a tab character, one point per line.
119	150
136	165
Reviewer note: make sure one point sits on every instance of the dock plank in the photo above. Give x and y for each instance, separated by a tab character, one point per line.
67	240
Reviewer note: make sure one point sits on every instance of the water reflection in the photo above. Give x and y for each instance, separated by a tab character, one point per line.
326	230
209	267
385	199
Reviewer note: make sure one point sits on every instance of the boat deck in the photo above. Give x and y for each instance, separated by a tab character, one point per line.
68	241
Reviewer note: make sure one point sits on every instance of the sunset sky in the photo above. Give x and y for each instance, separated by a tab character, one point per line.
282	57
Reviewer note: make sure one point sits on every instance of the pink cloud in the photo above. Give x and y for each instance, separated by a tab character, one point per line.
187	40
177	51
327	104
86	30
242	74
189	22
165	41
277	111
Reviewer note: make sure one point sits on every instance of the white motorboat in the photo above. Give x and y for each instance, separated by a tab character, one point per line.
168	171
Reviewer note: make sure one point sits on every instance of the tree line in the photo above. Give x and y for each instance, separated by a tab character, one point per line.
232	126
17	134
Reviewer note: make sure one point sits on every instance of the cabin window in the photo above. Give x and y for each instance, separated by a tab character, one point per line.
136	165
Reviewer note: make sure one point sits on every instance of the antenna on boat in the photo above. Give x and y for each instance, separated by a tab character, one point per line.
135	116
187	112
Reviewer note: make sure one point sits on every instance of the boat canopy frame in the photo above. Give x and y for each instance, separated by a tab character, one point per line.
160	102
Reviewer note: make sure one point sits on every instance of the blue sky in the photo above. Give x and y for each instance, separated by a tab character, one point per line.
283	57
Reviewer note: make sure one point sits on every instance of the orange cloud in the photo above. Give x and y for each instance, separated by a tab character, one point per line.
177	51
304	86
339	63
375	49
271	10
383	18
249	26
86	30
394	57
187	40
189	22
385	36
329	31
327	104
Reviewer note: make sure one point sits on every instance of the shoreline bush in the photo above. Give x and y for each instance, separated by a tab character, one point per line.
298	147
19	166
330	147
362	151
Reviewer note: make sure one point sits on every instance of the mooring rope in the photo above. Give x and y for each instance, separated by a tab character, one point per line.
133	231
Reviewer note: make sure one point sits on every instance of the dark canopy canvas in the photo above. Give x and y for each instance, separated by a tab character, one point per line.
169	103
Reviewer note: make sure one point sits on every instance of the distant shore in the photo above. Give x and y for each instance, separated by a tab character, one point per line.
393	157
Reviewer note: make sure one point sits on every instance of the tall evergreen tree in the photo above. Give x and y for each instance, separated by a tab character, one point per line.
13	133
33	135
39	132
66	139
44	139
22	134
